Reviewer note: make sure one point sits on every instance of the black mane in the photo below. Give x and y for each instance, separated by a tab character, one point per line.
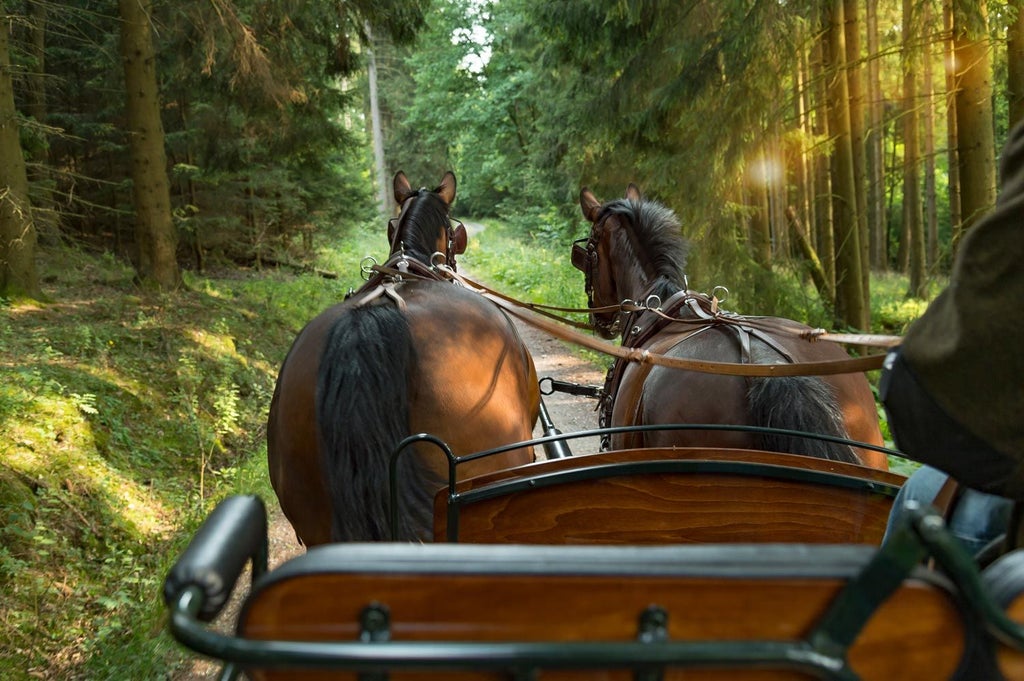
426	218
658	234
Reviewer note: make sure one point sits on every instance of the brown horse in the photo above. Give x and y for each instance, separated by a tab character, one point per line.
408	353
636	252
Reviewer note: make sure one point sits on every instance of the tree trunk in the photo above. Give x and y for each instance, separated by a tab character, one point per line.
913	226
777	198
154	229
384	200
931	211
952	156
823	226
807	250
44	210
850	299
18	277
759	224
1015	65
855	84
804	185
874	141
975	133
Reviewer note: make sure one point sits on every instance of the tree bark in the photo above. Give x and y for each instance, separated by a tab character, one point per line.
804	186
807	250
913	226
823	225
975	132
874	141
384	200
18	276
154	229
855	84
1015	65
44	209
952	157
931	211
850	298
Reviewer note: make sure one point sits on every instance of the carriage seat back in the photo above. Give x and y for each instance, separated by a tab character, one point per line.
605	612
671	496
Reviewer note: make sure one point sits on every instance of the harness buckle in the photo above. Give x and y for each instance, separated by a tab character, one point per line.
366	266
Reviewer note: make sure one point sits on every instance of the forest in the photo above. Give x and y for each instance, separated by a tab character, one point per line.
174	175
838	137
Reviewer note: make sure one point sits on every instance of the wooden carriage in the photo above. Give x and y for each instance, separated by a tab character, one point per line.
694	564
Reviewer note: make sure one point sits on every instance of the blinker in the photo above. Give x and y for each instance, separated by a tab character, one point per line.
457	238
580	254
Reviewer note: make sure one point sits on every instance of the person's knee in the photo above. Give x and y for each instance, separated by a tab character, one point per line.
922	486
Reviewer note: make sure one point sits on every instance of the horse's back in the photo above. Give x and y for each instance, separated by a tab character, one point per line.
658	394
477	371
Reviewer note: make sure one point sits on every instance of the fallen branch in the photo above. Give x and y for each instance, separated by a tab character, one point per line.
817	271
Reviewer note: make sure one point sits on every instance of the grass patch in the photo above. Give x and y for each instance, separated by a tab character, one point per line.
124	418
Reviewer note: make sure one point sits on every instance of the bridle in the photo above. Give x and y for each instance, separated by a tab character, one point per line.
584	258
455	234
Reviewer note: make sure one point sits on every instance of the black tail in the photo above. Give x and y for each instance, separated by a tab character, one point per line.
803	403
362	406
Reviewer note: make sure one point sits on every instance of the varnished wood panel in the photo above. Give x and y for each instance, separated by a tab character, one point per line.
916	635
675	507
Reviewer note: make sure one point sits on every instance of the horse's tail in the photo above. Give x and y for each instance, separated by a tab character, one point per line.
362	408
800	403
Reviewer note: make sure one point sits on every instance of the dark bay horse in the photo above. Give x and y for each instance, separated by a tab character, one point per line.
408	353
636	252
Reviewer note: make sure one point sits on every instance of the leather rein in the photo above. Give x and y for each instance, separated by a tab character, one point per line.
539	316
382	280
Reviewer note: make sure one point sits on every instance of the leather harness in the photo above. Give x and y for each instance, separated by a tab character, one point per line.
695	311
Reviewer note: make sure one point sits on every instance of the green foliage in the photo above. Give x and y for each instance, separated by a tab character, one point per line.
465	99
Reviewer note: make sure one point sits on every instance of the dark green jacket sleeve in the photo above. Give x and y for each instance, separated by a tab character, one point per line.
966	350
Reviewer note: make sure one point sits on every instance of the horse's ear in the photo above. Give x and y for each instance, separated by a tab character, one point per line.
402	188
447	188
633	192
590	205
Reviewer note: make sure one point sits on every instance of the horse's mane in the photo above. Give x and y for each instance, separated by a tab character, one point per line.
658	233
426	218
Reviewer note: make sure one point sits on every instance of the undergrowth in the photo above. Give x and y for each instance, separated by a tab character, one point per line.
124	418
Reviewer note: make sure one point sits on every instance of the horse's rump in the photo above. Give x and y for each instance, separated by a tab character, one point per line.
442	361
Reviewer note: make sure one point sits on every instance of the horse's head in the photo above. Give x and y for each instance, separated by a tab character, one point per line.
424	229
635	249
593	255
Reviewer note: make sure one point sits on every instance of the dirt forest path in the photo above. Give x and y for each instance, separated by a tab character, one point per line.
569	413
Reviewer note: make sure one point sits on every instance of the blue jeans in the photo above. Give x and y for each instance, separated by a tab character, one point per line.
978	518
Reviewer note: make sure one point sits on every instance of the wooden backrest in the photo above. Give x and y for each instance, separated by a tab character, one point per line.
795	605
671	496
